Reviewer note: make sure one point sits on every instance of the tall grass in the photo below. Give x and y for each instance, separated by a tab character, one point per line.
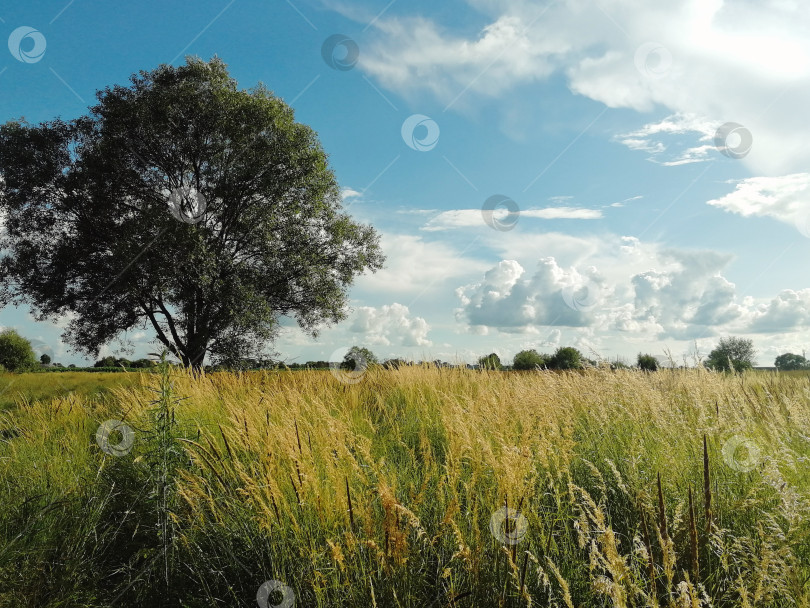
382	493
31	386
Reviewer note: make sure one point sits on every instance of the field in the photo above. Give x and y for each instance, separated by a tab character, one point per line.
29	387
419	487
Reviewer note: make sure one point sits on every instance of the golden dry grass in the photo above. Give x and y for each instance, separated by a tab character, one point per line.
271	461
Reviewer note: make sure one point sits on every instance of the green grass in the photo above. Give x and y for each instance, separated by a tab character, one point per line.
41	386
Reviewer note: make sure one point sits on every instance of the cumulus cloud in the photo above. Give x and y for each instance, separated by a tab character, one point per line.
553	296
390	325
788	311
687	300
680	295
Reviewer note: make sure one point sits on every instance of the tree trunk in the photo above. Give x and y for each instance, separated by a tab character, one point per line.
196	347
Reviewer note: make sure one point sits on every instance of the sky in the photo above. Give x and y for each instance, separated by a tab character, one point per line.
616	175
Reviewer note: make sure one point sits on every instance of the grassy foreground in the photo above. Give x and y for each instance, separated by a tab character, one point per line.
419	487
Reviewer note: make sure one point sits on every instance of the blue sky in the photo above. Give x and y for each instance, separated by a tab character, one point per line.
645	222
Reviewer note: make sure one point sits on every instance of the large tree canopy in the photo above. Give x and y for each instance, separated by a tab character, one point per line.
179	203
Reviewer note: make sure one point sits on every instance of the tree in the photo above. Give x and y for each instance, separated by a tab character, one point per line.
528	359
732	352
647	362
16	354
183	204
108	361
358	358
566	357
45	359
490	361
143	363
789	361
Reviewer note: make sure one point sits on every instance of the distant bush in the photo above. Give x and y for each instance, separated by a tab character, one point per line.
358	356
119	362
490	361
528	359
647	363
146	363
16	354
565	357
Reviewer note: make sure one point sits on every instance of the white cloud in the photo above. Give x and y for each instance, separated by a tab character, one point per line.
788	311
416	52
688	297
347	193
473	218
414	266
677	124
563	213
553	296
623	202
647	139
635	292
746	62
785	198
390	325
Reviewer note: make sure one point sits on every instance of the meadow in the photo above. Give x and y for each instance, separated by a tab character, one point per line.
417	487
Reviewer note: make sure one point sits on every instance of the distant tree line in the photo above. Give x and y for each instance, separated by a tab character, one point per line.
731	354
121	362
